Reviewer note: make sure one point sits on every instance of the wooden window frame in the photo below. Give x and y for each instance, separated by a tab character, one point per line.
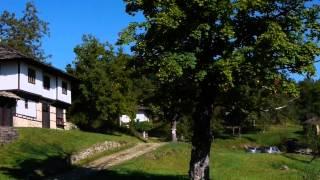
59	117
31	76
46	82
64	88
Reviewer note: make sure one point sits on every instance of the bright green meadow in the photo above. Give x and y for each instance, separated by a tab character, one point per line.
229	161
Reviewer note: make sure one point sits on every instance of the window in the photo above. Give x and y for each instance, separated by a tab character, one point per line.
31	76
59	120
26	105
46	82
64	87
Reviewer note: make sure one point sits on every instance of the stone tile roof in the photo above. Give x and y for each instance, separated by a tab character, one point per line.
9	95
9	53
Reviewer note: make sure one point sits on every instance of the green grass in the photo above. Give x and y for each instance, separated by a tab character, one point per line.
275	134
41	152
228	161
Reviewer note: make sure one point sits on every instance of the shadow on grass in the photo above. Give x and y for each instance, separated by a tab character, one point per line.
225	136
51	162
250	139
292	157
133	175
82	173
37	169
36	162
300	132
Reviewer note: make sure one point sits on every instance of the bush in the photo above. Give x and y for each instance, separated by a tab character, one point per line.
313	140
143	126
184	128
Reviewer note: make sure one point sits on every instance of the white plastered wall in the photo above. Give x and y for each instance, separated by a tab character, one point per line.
31	109
8	76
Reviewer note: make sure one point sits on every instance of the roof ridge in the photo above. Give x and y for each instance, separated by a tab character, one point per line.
9	53
18	52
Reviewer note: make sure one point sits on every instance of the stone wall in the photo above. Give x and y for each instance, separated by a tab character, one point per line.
7	135
94	150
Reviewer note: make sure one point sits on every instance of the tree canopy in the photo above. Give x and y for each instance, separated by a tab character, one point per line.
106	89
308	104
25	33
219	46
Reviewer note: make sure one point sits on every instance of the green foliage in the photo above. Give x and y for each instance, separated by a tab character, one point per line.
240	37
218	121
312	138
24	33
213	50
231	46
143	126
106	87
184	129
309	102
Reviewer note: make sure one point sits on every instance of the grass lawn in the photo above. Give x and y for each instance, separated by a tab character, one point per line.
228	161
41	152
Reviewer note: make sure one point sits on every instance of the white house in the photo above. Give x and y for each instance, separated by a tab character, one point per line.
141	116
40	91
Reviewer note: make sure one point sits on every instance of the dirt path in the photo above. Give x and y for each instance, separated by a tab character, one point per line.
108	161
122	156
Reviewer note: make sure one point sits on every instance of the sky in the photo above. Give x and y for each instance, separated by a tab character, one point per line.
69	20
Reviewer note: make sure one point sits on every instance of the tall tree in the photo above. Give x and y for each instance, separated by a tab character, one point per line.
24	34
308	104
168	98
216	46
106	89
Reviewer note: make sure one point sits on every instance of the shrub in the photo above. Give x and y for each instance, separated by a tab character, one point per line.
143	126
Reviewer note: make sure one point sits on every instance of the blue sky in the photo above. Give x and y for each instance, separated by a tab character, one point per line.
70	19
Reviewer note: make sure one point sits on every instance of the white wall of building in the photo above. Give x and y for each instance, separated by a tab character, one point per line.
38	88
49	93
124	119
141	117
10	79
30	111
64	97
8	76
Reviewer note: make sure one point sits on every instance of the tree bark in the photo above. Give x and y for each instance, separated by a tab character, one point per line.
201	142
174	131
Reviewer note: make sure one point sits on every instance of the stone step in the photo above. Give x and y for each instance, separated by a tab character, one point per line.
7	135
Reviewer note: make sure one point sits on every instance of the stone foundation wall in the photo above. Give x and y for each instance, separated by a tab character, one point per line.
7	135
21	122
96	149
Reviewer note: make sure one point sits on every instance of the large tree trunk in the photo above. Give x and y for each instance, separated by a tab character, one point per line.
201	142
174	129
